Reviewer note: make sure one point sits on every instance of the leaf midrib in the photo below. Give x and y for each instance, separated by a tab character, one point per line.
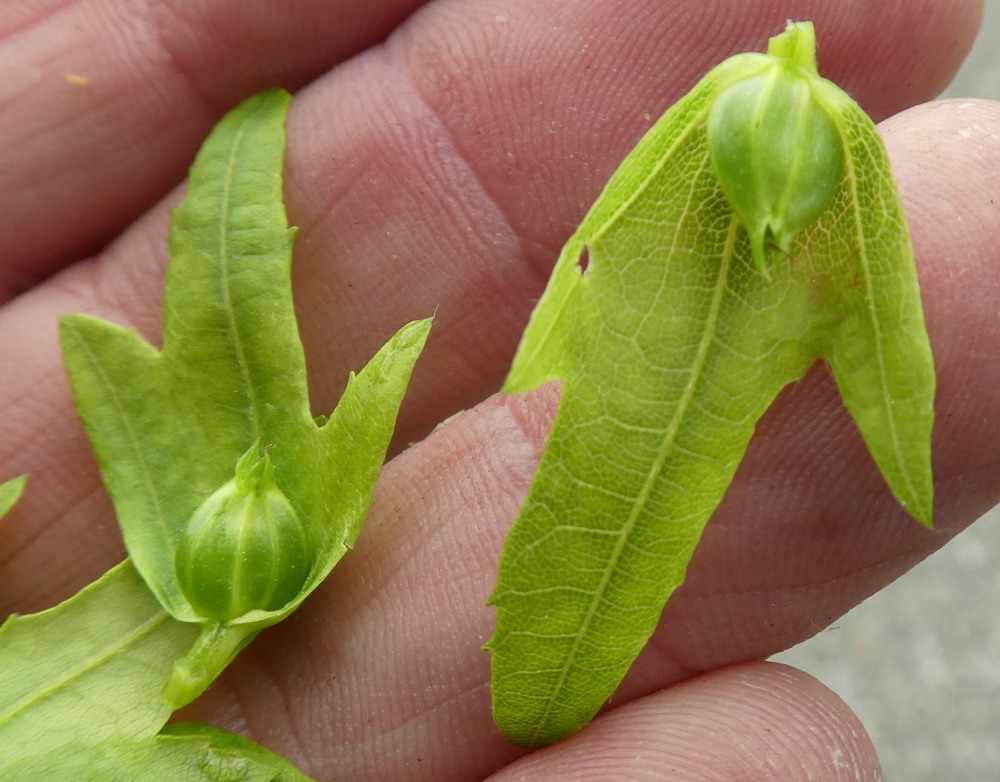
239	351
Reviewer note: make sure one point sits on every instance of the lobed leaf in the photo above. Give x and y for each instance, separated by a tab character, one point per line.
168	427
671	345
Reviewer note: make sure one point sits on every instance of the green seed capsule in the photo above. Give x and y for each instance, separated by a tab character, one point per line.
776	150
244	548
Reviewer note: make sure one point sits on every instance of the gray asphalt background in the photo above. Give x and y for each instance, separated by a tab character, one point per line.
920	661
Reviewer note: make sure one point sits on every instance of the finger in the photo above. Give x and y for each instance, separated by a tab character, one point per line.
747	723
808	528
104	104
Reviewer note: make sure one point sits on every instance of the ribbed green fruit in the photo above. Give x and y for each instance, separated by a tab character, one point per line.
244	548
777	152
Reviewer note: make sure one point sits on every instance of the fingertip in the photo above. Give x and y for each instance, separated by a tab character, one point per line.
759	721
946	160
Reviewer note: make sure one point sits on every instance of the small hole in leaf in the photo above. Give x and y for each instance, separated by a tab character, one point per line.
583	262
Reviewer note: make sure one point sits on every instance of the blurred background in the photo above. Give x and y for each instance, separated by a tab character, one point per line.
920	662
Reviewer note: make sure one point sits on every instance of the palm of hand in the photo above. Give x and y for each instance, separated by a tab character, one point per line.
440	171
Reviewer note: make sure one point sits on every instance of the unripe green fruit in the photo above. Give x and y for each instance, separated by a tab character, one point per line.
777	153
244	548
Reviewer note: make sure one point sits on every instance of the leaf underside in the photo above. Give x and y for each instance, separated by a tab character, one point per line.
670	347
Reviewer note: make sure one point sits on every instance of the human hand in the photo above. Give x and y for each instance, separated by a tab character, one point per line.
441	172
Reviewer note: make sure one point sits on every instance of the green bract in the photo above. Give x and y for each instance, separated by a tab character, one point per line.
169	425
670	347
245	548
775	147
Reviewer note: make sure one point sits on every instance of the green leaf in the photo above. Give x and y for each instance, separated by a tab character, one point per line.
169	427
231	746
87	670
671	344
187	751
10	493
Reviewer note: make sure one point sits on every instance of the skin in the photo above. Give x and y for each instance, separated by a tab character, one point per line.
439	169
